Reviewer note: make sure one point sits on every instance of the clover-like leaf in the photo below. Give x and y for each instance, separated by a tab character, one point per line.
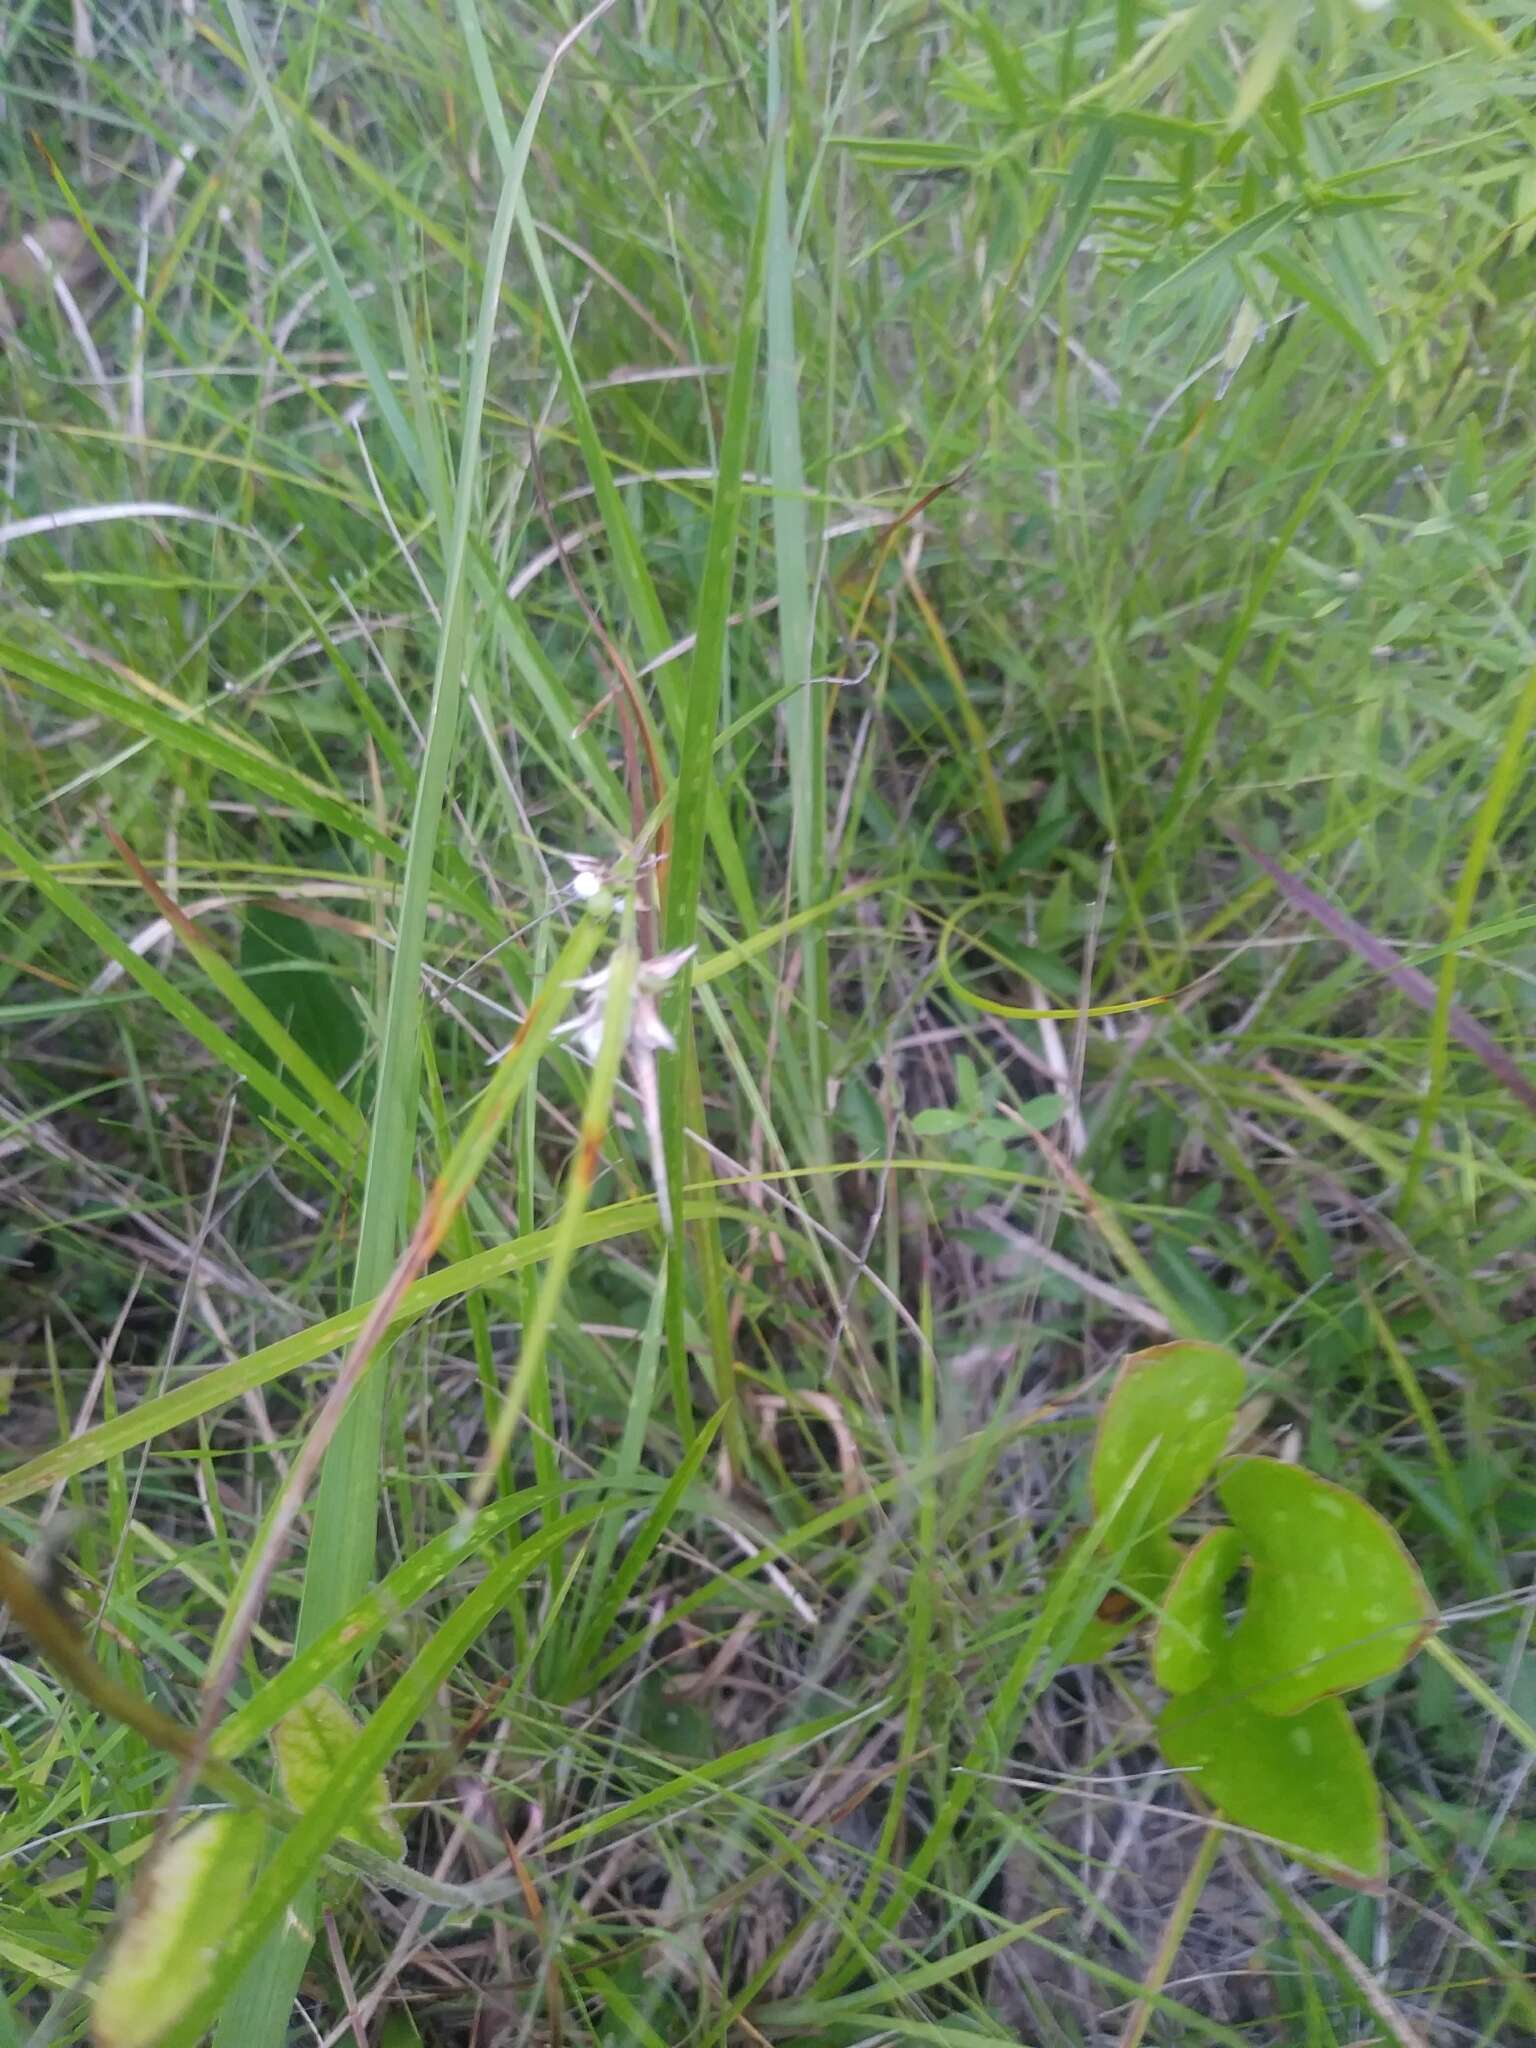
1140	1580
1303	1780
1165	1424
165	1953
311	1740
1191	1635
1334	1600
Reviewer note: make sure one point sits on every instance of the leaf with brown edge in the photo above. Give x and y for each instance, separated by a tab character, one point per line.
1334	1599
1305	1780
1165	1424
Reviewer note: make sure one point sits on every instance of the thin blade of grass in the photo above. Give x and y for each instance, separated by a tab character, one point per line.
188	730
365	1356
302	1850
213	1390
804	716
694	789
1451	1020
1507	770
346	1505
596	1113
247	1005
179	1007
345	1516
638	1553
394	1595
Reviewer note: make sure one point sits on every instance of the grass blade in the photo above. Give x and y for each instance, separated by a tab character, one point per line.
226	1050
188	730
1508	768
804	714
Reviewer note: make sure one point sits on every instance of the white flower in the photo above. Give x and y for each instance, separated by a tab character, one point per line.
645	1036
647	1033
592	878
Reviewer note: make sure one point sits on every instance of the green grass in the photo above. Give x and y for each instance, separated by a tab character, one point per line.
1015	454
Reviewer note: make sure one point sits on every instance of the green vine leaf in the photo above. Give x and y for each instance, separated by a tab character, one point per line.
166	1951
1304	1780
1164	1426
311	1741
1140	1581
1191	1635
1334	1599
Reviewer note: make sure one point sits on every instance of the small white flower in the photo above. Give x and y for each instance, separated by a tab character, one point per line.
647	1036
647	1033
646	1030
592	878
655	974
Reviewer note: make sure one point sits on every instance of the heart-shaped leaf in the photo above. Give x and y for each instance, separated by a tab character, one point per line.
1164	1426
311	1740
1334	1599
1191	1636
165	1953
1305	1780
1136	1590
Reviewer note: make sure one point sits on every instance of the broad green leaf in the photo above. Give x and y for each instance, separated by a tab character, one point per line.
1192	1629
1137	1587
1038	1113
312	1741
1164	1426
283	959
1305	1781
674	1725
939	1123
166	1951
1334	1601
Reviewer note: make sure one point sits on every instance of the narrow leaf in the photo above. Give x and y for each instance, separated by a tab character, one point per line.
166	1951
312	1741
226	1050
186	729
